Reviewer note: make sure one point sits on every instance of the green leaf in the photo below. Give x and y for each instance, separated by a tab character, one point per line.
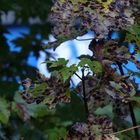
110	92
37	89
137	114
132	37
74	111
135	99
138	2
37	110
67	72
115	85
95	129
68	92
106	110
133	34
56	65
85	61
15	109
18	98
105	3
57	133
134	29
132	92
97	67
34	110
4	111
60	62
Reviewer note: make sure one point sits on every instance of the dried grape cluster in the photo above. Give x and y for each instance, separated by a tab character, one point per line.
70	16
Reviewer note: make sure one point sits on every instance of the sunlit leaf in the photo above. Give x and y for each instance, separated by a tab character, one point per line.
61	62
95	66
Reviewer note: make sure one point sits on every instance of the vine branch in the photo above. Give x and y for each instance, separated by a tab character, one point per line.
125	130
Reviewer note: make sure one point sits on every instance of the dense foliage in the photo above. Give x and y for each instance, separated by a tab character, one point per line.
107	100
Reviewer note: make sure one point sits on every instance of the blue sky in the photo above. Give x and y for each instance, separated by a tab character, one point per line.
13	34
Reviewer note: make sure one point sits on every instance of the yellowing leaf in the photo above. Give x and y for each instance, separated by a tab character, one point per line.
105	4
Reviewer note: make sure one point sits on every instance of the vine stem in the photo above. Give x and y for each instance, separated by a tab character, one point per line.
130	107
84	39
125	130
84	93
78	76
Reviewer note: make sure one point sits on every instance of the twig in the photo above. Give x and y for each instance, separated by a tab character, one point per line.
84	39
130	106
125	130
84	93
78	76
